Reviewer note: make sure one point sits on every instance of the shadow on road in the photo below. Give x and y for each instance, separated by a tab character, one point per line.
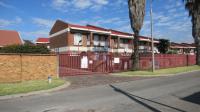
135	98
194	98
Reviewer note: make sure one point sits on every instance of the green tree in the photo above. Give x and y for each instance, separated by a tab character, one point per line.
163	46
136	15
193	7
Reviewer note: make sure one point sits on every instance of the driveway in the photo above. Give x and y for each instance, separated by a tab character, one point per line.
100	79
179	93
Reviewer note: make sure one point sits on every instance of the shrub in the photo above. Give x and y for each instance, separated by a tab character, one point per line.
25	49
172	52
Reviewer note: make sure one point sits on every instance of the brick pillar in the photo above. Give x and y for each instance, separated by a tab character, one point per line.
91	39
68	38
109	41
118	42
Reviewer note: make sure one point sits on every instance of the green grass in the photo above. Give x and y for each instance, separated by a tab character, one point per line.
159	72
28	86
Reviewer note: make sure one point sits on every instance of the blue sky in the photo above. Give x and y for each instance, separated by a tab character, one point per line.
34	18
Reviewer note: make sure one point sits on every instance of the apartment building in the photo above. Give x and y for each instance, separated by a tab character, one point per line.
42	41
65	37
183	48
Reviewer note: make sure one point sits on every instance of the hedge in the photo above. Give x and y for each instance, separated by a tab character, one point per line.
25	49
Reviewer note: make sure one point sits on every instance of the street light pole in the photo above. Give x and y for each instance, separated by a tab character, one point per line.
152	40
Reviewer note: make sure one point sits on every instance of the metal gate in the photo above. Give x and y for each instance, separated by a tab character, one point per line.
84	63
92	63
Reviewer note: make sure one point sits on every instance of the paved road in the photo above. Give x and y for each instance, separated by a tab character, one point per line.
179	93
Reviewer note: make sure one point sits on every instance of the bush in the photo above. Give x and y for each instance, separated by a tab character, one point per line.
25	49
172	52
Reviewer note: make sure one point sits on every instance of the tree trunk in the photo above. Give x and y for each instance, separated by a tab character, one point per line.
197	42
198	53
196	33
136	52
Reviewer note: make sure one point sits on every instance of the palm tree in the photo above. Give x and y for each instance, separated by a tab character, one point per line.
193	7
136	15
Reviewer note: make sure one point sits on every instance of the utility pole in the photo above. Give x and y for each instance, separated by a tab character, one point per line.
152	40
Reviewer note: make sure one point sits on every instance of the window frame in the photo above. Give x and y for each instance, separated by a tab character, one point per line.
80	36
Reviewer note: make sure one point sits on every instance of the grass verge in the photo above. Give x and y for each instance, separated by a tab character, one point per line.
28	86
160	72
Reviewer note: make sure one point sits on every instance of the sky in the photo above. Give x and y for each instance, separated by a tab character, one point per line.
35	18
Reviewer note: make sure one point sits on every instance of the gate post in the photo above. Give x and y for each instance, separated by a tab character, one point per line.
187	59
58	64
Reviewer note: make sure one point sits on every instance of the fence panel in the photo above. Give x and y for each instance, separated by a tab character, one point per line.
84	63
166	61
93	63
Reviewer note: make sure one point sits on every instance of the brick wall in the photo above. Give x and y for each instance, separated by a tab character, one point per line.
15	67
58	41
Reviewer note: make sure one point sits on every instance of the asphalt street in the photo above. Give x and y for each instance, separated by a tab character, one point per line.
180	93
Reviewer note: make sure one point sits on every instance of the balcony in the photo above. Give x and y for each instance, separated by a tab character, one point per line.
122	45
101	43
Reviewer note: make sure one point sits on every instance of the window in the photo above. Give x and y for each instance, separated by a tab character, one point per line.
77	39
103	41
88	40
96	40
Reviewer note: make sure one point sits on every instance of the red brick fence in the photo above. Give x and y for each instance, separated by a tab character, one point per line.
93	63
19	67
167	61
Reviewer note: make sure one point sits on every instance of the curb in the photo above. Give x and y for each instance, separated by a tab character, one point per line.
157	75
182	73
35	92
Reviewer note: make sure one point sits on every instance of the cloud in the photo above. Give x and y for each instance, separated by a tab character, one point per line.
34	34
6	23
178	3
66	5
82	4
43	22
103	22
125	28
60	5
172	10
2	4
181	26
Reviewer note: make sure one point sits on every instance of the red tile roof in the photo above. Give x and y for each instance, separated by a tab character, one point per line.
143	38
42	40
181	45
78	26
115	32
88	27
96	28
8	37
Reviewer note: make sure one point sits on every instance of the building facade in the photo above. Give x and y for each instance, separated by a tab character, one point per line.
65	37
183	48
42	41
